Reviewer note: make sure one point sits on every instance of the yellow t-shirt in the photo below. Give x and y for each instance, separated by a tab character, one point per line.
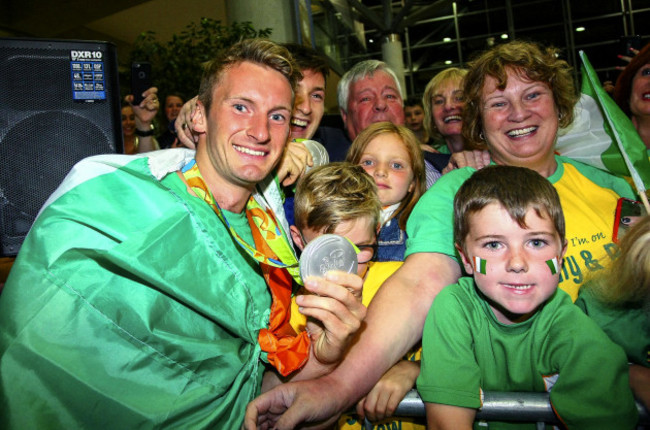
588	233
589	197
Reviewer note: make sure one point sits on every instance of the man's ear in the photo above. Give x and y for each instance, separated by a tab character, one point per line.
469	268
199	119
297	237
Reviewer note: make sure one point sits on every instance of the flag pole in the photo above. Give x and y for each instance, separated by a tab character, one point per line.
644	200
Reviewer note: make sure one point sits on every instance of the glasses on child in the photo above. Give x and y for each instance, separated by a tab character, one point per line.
366	253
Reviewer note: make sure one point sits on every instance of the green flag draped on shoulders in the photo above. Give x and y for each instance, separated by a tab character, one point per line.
135	311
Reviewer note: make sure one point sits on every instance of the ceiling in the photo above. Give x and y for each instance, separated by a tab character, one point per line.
423	24
437	34
116	21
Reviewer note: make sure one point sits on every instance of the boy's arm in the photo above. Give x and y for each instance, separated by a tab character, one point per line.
640	383
382	401
592	389
447	417
294	163
334	314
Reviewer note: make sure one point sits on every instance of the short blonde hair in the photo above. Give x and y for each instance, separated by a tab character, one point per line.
627	280
451	74
412	146
333	194
528	60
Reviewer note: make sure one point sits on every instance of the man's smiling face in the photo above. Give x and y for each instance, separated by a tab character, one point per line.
309	106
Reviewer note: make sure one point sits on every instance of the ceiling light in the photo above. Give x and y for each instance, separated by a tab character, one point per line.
580	29
446	39
448	62
504	36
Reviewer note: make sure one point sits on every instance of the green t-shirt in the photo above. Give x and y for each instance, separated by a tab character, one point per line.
628	326
588	196
239	223
465	349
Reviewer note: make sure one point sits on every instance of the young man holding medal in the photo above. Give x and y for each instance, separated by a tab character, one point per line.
153	291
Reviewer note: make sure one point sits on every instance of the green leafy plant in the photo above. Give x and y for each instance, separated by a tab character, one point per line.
176	65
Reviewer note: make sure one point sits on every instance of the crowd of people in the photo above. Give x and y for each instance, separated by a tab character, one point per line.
165	290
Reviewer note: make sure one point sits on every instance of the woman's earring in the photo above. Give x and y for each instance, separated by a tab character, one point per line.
480	135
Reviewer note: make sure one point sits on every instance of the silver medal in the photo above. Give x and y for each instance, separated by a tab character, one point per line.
318	153
325	253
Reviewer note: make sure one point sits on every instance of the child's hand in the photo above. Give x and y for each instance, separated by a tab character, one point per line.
428	148
382	400
334	312
609	87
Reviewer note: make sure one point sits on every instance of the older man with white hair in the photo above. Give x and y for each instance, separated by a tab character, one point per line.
367	93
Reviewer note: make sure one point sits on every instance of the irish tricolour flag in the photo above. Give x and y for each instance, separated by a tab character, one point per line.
602	135
554	265
479	265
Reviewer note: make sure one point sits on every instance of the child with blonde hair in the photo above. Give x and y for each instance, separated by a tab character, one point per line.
391	154
618	300
340	199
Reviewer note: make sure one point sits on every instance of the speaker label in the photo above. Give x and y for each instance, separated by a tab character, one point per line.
87	74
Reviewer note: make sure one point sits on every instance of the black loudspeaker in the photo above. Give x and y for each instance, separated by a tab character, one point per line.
59	103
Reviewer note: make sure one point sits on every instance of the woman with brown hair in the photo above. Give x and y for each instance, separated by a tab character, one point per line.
632	93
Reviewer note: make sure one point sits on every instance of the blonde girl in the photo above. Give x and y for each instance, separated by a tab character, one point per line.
391	154
618	300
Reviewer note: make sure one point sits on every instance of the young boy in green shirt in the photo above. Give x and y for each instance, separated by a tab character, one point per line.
509	328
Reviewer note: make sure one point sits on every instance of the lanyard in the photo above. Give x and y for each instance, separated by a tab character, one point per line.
263	219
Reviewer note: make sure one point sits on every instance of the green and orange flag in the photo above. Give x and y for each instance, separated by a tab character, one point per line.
602	135
480	265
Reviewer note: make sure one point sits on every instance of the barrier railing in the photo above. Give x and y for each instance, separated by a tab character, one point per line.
502	406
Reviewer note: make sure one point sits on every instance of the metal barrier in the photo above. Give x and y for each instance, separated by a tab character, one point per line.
502	406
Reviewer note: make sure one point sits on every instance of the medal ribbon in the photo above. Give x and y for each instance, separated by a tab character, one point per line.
285	350
264	221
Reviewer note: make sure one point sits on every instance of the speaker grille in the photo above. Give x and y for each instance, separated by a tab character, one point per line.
43	130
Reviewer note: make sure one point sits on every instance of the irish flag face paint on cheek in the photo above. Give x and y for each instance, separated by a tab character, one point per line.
554	265
525	262
480	265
